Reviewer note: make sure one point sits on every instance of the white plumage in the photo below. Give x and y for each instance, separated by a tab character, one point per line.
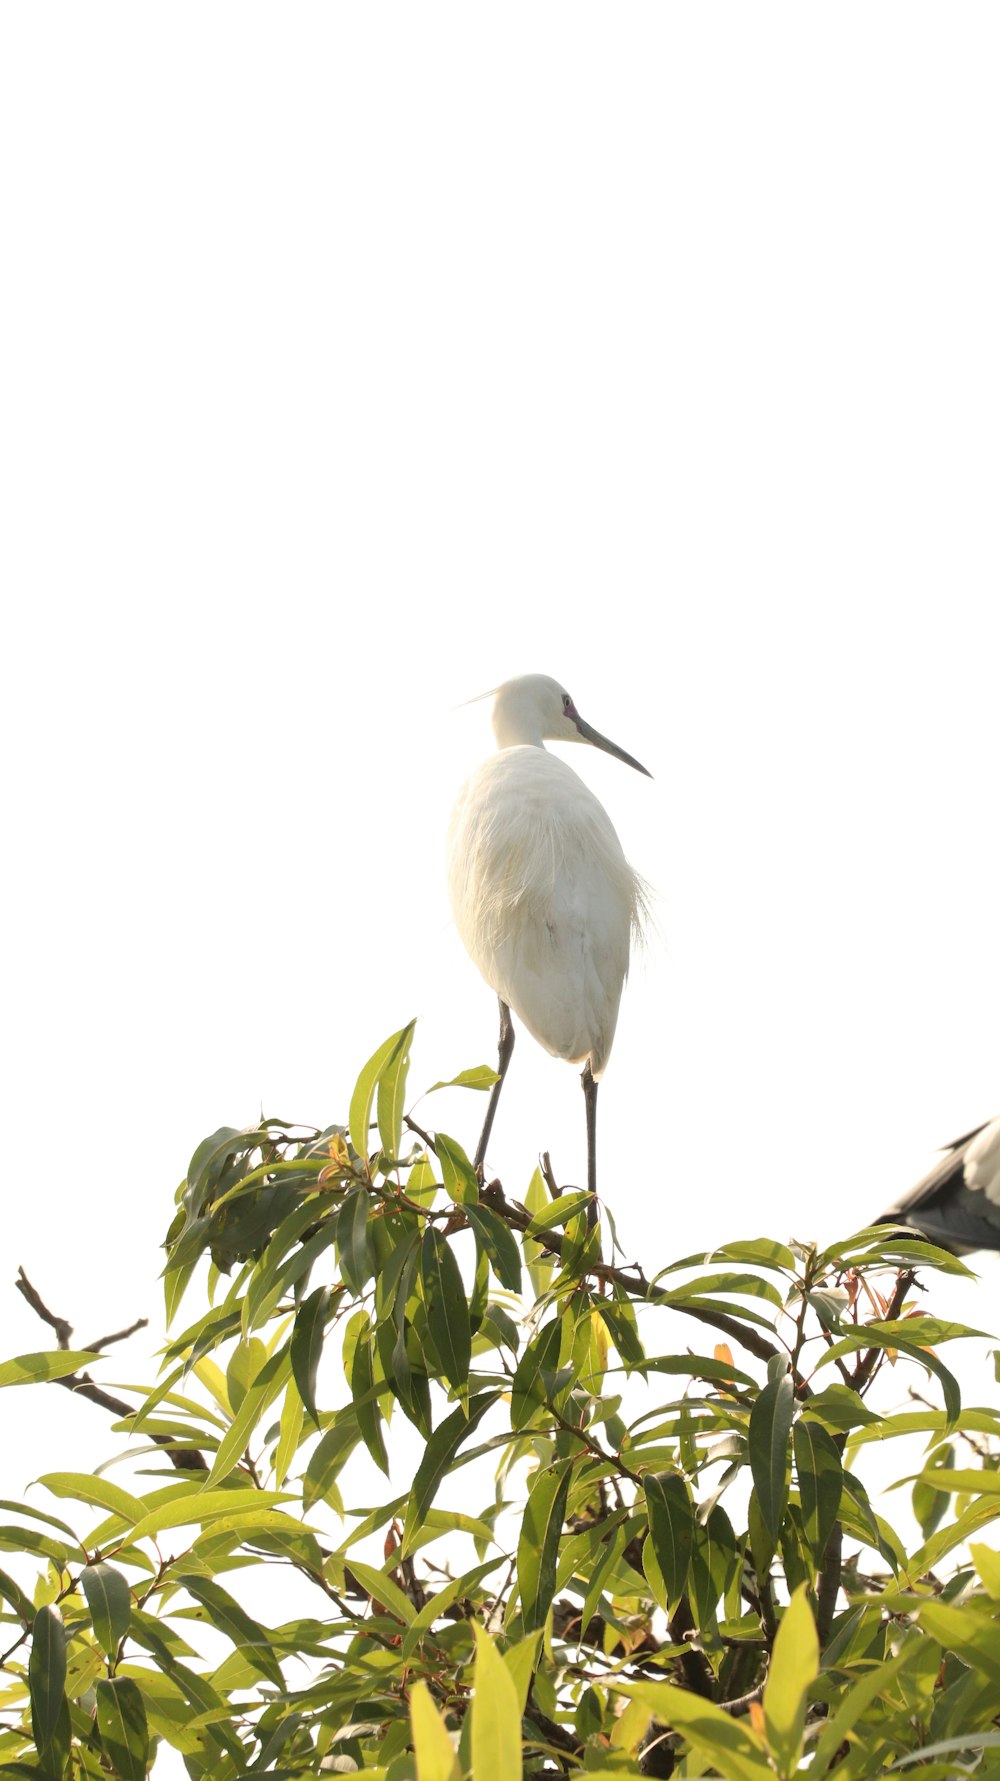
543	896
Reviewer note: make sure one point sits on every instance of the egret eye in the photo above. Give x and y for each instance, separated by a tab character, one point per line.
567	702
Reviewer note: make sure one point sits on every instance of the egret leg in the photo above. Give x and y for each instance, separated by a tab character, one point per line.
505	1049
590	1096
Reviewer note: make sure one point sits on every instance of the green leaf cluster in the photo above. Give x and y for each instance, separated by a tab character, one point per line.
528	1510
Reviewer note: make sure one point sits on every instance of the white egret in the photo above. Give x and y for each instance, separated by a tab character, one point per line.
543	896
957	1204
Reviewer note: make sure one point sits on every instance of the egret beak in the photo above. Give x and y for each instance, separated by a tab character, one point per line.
588	734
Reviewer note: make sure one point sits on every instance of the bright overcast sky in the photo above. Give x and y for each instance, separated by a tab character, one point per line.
358	357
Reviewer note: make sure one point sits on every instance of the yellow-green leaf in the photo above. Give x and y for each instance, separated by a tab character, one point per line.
792	1671
432	1747
496	1715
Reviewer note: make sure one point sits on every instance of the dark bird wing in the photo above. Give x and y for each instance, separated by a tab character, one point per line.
957	1204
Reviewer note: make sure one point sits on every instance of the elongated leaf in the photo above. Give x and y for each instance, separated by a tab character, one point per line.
271	1379
792	1671
432	1747
447	1310
353	1244
384	1591
329	1456
307	1345
770	1427
365	1398
821	1482
290	1428
364	1092
538	1545
226	1614
21	1604
671	1530
481	1076
110	1602
47	1678
499	1244
853	1704
392	1093
496	1715
541	1357
733	1747
32	1369
193	1505
85	1487
121	1721
714	1560
871	1336
439	1453
434	1608
457	1172
558	1212
975	1640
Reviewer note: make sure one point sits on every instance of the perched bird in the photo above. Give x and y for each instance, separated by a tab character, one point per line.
543	896
957	1204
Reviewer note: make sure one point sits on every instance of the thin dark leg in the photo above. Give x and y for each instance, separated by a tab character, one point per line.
504	1050
590	1096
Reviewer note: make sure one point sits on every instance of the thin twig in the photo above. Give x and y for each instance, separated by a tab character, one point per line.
185	1459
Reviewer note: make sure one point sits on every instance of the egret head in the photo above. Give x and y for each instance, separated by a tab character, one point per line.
535	709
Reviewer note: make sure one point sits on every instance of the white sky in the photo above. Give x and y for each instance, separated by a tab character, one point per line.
358	357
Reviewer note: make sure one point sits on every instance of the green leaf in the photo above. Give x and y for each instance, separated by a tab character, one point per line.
528	1388
498	1242
479	1077
872	1336
839	1407
975	1640
496	1715
732	1746
391	1095
671	1530
929	1504
194	1506
949	1747
714	1558
23	1607
457	1173
558	1211
329	1456
121	1721
85	1487
853	1704
384	1590
793	1669
110	1602
439	1453
821	1481
432	1747
245	1362
365	1398
447	1309
47	1679
271	1379
770	1427
229	1618
538	1545
435	1606
364	1092
353	1244
307	1345
32	1369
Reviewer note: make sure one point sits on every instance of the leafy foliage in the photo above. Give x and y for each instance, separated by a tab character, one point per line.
586	1547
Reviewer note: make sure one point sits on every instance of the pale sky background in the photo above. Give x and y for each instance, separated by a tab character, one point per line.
358	357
